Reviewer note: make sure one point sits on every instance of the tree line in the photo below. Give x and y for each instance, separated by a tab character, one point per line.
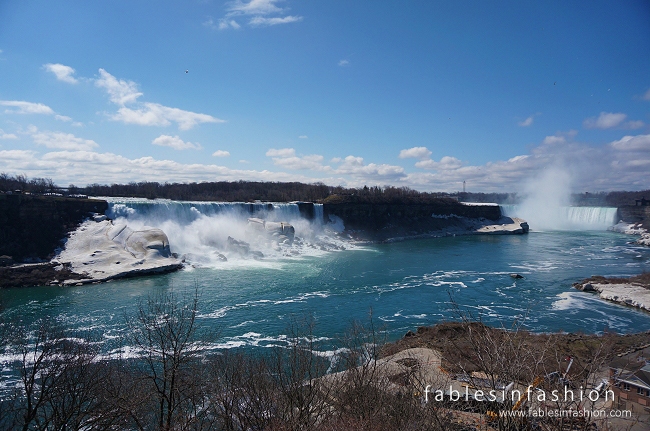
247	191
21	183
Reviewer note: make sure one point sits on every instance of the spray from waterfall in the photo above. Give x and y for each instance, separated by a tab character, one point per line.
546	205
213	233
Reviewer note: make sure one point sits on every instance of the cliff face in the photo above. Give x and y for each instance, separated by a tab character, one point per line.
635	214
32	227
382	220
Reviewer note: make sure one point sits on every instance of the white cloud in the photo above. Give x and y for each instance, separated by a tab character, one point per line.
7	136
259	10
634	125
527	122
372	173
61	141
282	152
175	142
606	120
254	7
23	107
85	167
225	23
632	143
63	118
146	114
552	140
62	72
120	91
268	21
446	163
221	153
154	114
344	63
26	107
415	153
352	161
621	165
209	23
302	137
646	96
287	158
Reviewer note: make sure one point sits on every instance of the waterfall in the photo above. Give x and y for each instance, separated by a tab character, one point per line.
200	231
565	218
319	216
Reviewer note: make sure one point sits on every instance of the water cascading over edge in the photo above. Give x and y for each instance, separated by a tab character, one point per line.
565	218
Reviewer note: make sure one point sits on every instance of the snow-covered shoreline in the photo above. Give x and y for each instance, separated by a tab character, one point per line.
625	293
633	229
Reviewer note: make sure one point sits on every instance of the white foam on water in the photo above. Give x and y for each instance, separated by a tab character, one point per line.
221	312
568	301
200	231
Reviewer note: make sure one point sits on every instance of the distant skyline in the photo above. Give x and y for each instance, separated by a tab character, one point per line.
424	94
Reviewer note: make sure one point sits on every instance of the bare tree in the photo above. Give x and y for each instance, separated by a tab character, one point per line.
164	333
56	381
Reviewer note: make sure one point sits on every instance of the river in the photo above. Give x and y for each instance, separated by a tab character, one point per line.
251	303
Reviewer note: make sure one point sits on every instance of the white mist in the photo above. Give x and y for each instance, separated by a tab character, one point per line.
547	197
546	205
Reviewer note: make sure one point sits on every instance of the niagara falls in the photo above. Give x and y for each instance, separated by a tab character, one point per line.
285	215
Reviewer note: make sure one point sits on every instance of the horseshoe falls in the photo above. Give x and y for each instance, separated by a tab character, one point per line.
564	218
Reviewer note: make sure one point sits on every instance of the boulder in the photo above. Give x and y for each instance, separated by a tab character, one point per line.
6	260
588	287
240	247
279	230
101	251
147	242
644	240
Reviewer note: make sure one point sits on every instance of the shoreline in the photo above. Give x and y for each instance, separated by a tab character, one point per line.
463	227
449	339
632	292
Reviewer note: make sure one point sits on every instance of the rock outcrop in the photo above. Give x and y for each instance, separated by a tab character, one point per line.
510	226
101	251
378	216
636	214
644	240
621	291
32	227
633	229
400	221
281	232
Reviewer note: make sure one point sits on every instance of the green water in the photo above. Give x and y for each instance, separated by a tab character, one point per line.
405	285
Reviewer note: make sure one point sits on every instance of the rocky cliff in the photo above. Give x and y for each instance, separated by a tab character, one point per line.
32	227
635	214
379	221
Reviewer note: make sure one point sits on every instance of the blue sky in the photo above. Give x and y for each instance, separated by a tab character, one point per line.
424	94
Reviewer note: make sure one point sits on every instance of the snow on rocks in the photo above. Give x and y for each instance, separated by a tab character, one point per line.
631	294
101	250
644	240
633	229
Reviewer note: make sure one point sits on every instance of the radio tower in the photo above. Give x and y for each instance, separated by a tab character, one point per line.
463	186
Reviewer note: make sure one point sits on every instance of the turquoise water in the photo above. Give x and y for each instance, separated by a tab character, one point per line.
405	284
